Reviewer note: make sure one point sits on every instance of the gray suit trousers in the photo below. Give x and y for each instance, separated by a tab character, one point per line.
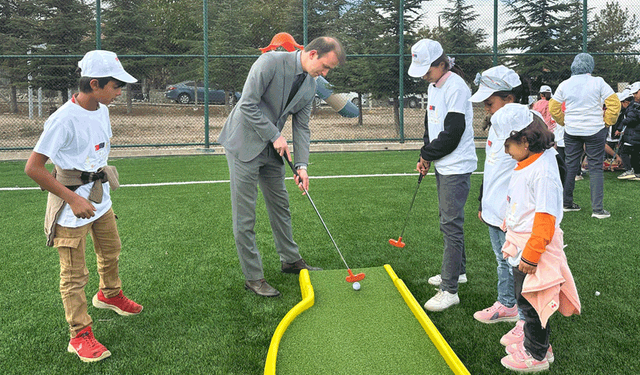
266	171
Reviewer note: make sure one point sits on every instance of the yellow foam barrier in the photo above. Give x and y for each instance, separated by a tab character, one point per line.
308	299
441	344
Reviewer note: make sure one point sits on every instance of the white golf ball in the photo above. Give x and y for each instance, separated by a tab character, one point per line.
597	293
356	286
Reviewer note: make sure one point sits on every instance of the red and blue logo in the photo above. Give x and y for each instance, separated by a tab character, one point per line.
99	146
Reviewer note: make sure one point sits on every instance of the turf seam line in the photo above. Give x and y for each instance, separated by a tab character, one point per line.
17	188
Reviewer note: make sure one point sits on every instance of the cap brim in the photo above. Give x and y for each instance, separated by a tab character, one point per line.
481	95
417	71
126	77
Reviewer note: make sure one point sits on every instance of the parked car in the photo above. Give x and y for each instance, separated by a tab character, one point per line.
412	100
183	93
350	96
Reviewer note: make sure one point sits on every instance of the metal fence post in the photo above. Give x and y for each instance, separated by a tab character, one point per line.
98	29
401	72
205	31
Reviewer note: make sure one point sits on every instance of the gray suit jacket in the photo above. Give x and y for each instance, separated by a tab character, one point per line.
260	114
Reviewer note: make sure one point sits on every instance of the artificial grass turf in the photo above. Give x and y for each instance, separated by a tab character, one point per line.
372	331
179	261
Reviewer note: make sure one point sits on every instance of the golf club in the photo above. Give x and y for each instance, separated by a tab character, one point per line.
351	278
398	242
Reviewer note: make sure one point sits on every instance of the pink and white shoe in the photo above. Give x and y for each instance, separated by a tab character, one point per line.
497	313
514	336
519	346
522	361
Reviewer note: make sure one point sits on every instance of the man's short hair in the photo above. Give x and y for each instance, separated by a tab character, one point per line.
326	44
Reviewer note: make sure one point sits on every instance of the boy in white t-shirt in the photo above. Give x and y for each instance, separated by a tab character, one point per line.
534	246
77	140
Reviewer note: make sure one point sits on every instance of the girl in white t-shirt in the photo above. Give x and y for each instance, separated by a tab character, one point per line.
448	144
534	245
500	89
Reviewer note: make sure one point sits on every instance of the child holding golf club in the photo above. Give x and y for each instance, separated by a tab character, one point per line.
448	144
534	245
500	89
77	140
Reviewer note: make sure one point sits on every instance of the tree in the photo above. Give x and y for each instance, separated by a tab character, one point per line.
615	30
127	30
537	27
457	37
64	29
18	27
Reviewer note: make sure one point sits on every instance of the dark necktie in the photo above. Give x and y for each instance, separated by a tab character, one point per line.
296	85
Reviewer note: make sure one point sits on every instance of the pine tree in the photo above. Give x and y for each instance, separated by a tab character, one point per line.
537	26
64	29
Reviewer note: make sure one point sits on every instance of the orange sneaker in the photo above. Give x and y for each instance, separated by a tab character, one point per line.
120	304
87	347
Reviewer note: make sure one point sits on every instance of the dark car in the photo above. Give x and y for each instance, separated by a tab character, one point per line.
183	93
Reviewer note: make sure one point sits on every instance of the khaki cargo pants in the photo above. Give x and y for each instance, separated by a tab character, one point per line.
74	275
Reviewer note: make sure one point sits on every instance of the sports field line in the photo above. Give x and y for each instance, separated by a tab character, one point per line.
227	181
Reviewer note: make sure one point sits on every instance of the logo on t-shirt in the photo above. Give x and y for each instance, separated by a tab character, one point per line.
489	143
432	107
99	146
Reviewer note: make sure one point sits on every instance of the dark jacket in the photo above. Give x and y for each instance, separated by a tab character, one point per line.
631	124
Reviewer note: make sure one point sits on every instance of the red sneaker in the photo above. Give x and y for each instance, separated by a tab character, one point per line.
120	304
87	347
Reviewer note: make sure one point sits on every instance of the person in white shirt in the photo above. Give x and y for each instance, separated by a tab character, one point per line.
77	140
448	144
534	246
585	128
500	89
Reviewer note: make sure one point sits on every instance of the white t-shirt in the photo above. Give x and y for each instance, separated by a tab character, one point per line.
534	188
558	132
75	138
452	96
584	96
498	165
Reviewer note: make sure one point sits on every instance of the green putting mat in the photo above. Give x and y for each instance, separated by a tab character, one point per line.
370	331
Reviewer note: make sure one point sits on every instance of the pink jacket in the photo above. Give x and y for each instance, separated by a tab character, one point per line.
552	287
542	106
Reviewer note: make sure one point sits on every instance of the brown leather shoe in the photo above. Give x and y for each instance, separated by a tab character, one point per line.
261	288
296	267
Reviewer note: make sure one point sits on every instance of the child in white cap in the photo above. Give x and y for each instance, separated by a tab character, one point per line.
534	245
542	106
448	144
500	89
77	140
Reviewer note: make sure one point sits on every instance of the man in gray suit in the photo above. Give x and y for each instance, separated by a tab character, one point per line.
278	84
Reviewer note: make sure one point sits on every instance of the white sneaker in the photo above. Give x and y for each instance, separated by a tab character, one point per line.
437	279
442	300
627	175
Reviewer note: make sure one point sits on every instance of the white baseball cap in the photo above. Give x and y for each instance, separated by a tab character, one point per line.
634	87
624	95
498	78
101	63
545	88
423	54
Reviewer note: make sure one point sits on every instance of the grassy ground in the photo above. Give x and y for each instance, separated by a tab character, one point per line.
179	261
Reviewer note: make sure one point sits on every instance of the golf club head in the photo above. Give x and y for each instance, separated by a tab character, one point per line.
353	278
397	243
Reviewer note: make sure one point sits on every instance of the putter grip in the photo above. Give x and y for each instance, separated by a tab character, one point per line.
295	172
420	176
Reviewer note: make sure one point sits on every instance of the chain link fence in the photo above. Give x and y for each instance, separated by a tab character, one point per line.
163	45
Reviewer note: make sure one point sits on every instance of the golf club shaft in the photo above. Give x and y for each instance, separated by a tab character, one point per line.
317	212
406	220
615	154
